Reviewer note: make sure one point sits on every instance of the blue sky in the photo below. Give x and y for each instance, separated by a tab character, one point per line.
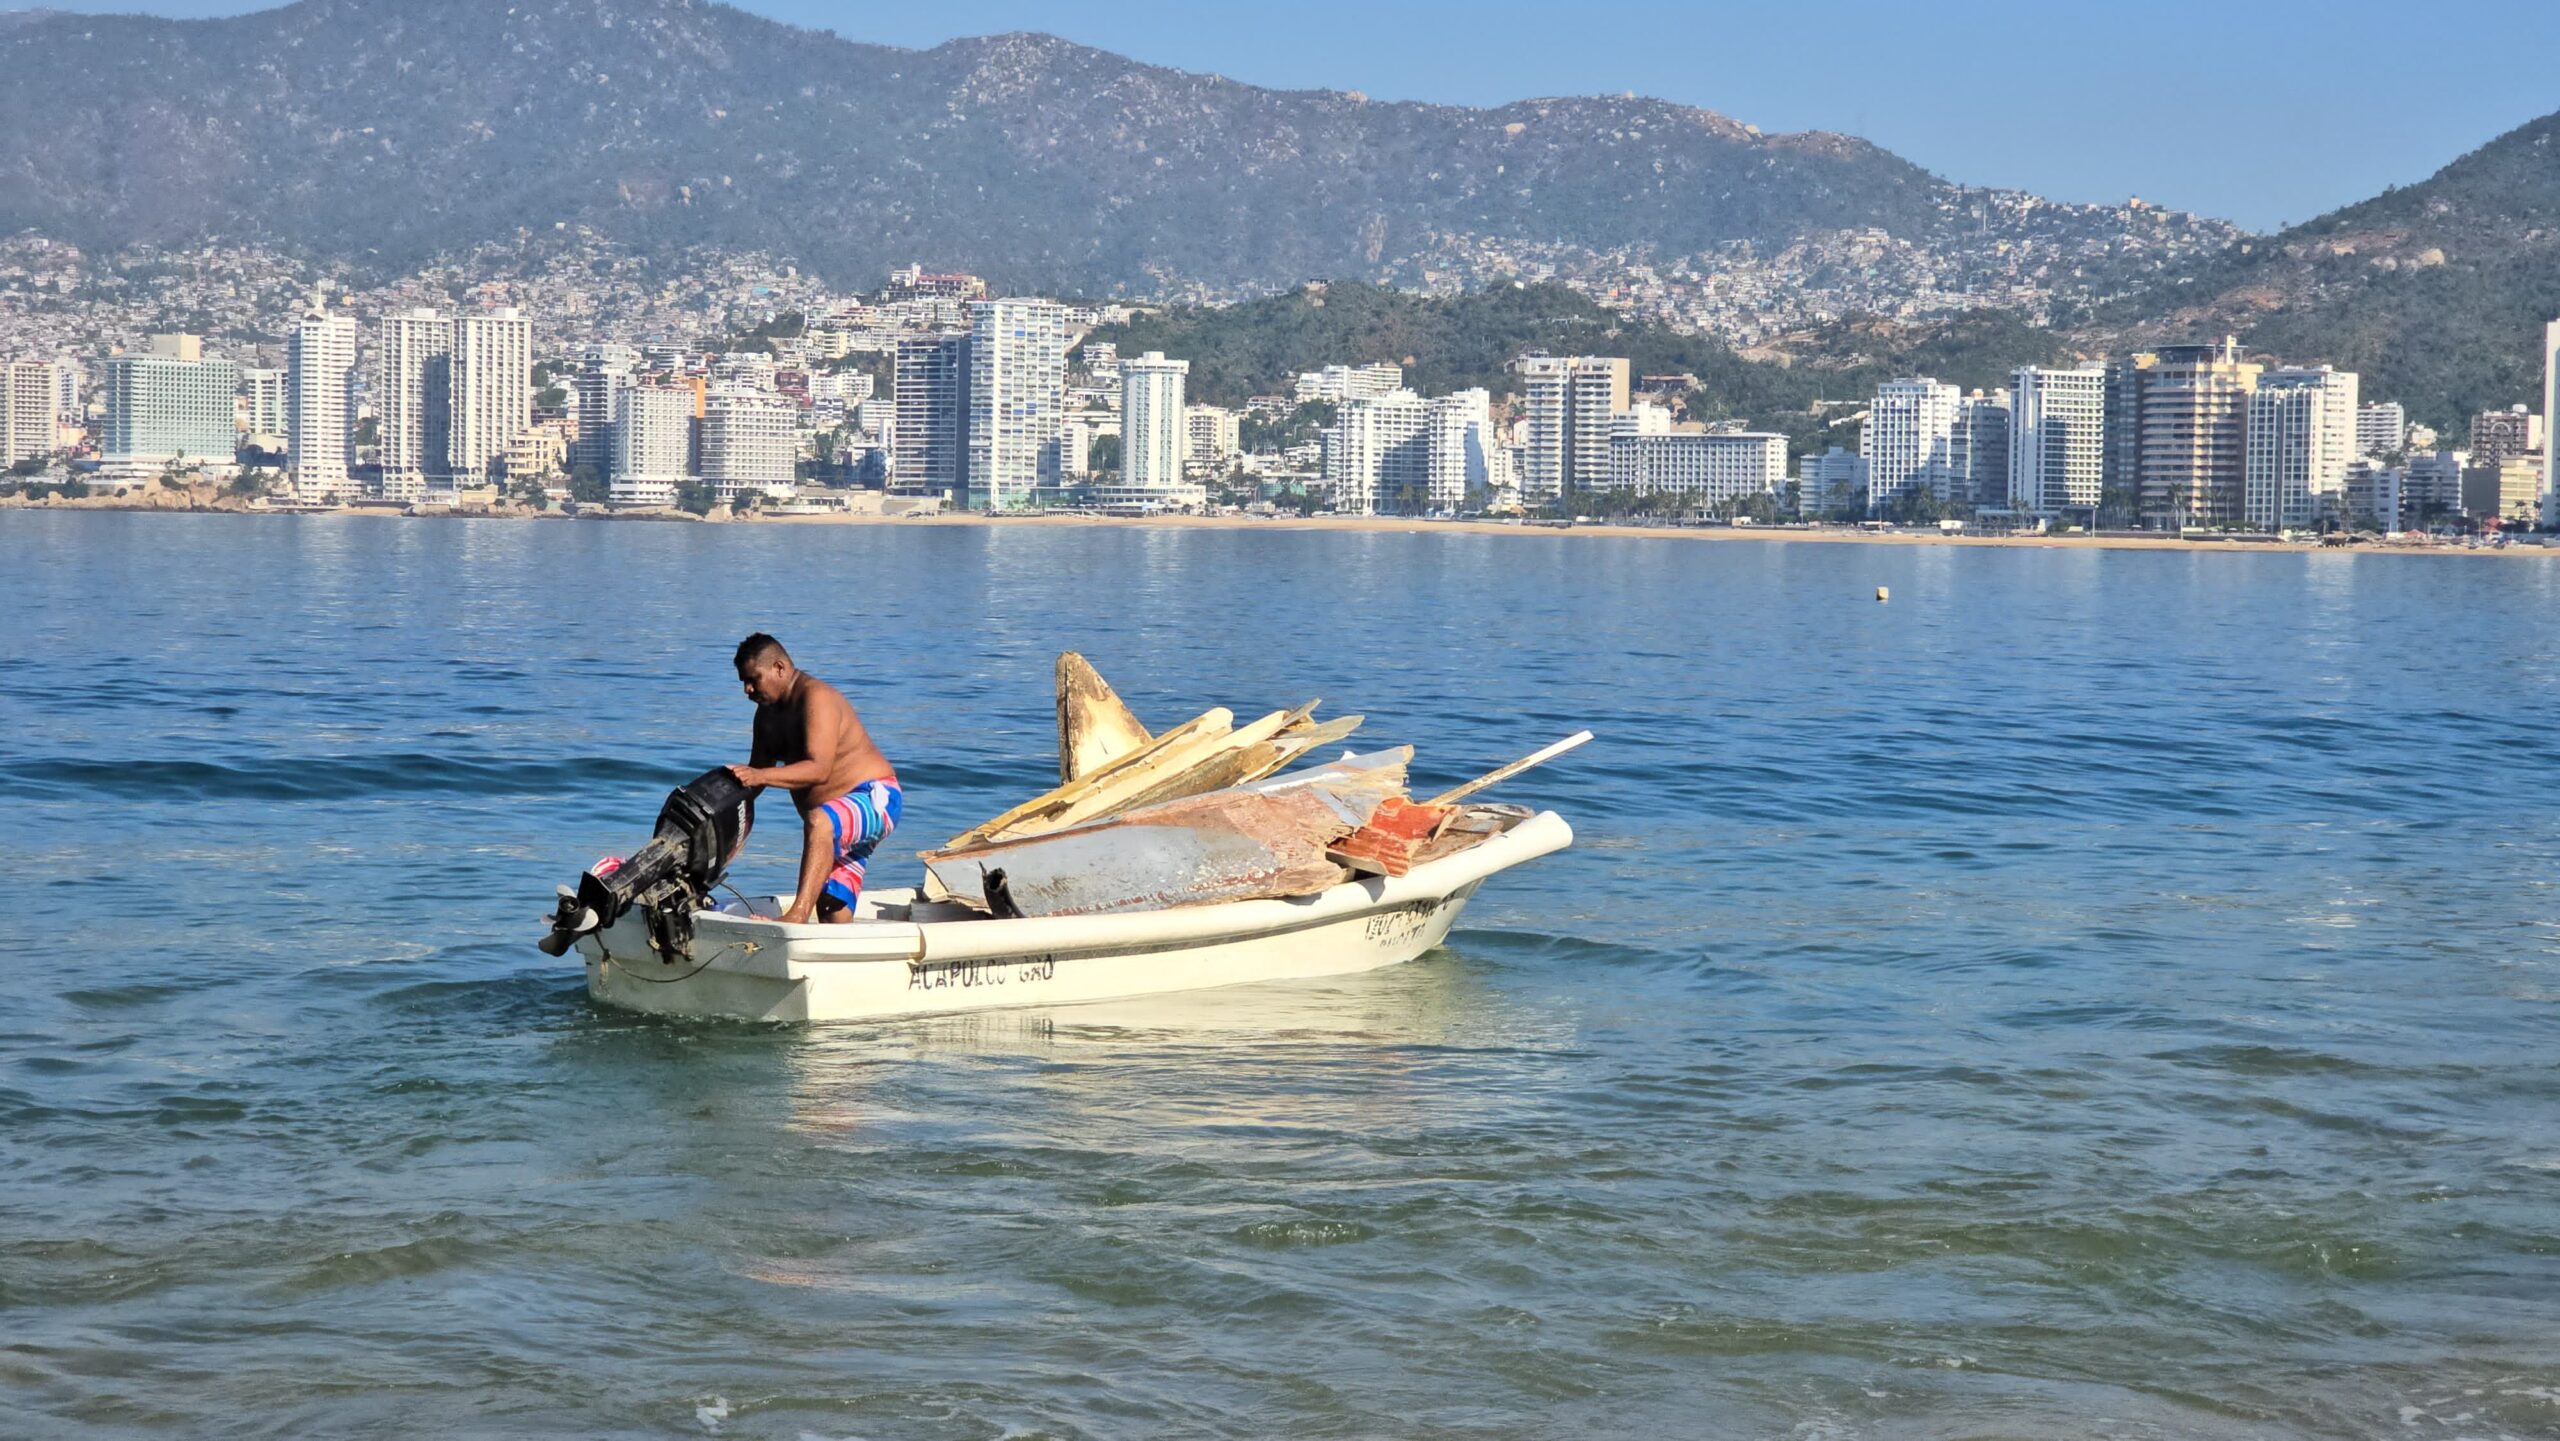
2263	114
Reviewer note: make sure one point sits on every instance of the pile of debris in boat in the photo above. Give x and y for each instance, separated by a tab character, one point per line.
1206	812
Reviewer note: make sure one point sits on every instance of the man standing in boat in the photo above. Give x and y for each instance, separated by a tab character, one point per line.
808	739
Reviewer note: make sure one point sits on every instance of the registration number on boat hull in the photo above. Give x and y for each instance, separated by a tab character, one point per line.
1399	926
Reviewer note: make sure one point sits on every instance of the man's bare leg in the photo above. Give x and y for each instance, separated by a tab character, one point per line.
817	857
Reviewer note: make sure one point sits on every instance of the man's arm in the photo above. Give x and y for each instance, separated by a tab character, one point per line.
824	728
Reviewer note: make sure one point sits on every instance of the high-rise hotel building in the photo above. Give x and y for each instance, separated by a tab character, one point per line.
167	404
322	396
1571	404
2057	438
930	456
491	397
1154	440
1016	398
412	401
2302	438
2190	413
1909	440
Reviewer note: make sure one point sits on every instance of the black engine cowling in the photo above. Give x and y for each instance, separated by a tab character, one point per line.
700	830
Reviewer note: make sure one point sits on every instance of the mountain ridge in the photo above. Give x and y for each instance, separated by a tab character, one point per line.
393	133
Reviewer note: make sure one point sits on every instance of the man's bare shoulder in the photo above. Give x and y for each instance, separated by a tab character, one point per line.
816	694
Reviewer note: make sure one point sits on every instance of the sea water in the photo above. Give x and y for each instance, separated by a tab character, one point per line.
2092	994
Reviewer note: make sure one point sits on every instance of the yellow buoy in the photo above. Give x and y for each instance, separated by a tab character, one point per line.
1883	594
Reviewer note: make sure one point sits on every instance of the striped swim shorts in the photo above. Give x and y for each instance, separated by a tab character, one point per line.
861	818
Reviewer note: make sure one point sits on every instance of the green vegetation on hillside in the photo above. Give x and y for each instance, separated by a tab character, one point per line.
2434	293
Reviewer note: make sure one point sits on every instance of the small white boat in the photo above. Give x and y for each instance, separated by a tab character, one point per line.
908	956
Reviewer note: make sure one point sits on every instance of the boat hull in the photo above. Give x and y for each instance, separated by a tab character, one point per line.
747	966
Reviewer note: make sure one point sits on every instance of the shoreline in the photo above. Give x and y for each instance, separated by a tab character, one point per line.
180	504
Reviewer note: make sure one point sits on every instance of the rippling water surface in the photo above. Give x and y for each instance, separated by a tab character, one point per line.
2093	994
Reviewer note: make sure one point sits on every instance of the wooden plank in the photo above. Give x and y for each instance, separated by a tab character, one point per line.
1504	773
1209	724
1094	726
1171	775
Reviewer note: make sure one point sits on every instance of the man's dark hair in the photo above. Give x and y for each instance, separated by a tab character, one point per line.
755	648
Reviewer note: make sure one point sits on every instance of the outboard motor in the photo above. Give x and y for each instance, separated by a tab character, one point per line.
700	829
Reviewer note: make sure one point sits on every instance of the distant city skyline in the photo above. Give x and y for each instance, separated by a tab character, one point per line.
2142	106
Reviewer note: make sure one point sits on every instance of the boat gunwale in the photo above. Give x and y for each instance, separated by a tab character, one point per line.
1129	933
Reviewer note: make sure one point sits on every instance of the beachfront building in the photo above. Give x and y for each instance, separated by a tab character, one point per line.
1017	394
168	406
264	405
1216	437
929	455
321	428
1832	483
412	401
595	386
2509	492
2192	425
2551	407
492	393
1377	454
1570	404
652	442
2301	438
2376	494
1709	470
30	409
2431	487
2057	444
2382	428
750	445
1468	468
1908	441
1155	439
1978	450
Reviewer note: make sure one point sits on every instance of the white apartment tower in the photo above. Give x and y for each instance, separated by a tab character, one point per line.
1571	404
30	405
1908	441
1978	450
2382	428
1154	439
492	391
2057	438
2301	438
1377	454
2551	408
1461	459
1216	435
270	406
603	372
1017	394
412	401
322	391
929	455
750	444
652	443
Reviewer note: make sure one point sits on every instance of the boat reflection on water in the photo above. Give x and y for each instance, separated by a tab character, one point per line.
1281	1053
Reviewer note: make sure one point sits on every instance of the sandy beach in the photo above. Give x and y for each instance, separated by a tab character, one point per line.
206	500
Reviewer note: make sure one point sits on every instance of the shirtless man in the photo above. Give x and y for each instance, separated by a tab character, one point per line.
808	739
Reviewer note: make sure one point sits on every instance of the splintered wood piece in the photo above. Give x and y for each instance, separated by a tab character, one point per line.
1210	765
1504	773
1209	725
1094	726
